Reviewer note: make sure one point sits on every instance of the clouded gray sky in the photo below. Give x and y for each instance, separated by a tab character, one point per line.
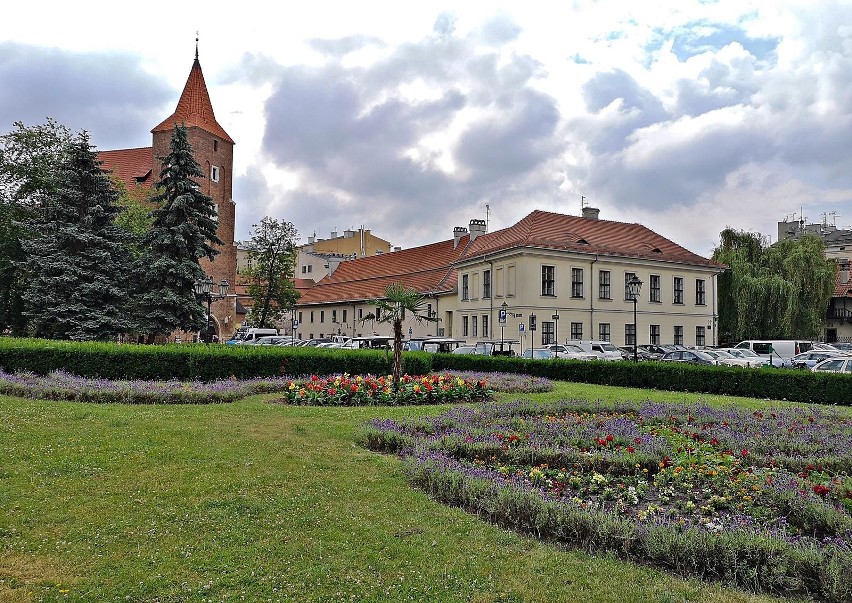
687	116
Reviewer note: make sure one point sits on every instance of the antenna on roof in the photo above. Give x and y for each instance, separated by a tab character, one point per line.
487	215
196	44
582	201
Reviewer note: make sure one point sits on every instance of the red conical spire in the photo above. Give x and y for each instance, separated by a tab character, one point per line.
194	107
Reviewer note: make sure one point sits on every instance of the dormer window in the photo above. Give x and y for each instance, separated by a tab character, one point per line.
215	145
214	173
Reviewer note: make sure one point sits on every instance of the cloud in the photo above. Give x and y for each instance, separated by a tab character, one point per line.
108	94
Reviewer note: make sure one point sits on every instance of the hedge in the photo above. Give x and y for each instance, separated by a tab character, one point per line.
210	362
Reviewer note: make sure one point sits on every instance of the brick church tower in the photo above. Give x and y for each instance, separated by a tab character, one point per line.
213	149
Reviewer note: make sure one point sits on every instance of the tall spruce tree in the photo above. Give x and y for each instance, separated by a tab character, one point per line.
183	232
77	257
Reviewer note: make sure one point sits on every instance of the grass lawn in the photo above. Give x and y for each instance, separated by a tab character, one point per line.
258	502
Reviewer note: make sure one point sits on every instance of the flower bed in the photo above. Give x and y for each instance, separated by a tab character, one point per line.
346	390
758	499
59	385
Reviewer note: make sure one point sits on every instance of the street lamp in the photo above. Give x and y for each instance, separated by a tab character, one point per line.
634	286
204	290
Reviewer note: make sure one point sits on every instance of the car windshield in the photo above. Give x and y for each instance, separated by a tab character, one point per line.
574	348
608	347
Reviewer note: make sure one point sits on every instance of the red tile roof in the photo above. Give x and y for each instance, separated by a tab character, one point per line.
541	229
194	107
842	289
425	269
132	166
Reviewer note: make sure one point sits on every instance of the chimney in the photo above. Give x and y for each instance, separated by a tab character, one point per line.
312	240
458	233
591	213
844	272
348	233
477	227
333	234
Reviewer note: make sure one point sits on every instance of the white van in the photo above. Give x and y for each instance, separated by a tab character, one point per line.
604	350
777	350
250	334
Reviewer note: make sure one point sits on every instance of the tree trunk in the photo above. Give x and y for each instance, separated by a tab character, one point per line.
397	352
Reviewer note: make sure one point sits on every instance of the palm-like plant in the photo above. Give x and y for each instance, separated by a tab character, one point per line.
391	309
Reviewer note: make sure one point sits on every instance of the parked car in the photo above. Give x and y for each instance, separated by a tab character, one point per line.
689	356
270	340
755	360
537	354
604	350
641	353
834	365
810	359
725	359
570	352
776	350
843	346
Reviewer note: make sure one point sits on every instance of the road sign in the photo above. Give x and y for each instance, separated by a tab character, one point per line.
521	328
295	323
532	322
501	316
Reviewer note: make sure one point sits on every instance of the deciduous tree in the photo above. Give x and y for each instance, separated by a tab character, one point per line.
780	291
272	260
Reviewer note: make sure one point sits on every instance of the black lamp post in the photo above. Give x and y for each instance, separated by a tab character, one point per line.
634	286
503	314
204	290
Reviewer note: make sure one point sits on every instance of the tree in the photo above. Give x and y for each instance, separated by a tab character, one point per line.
272	261
77	259
183	232
391	309
781	291
29	158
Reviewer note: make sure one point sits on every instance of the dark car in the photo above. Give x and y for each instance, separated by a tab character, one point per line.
690	356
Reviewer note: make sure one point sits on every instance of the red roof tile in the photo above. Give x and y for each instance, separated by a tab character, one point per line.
842	289
132	166
194	107
572	233
425	269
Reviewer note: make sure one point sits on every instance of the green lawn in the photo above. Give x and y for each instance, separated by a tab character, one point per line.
258	502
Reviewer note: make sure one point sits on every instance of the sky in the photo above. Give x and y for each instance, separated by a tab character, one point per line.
412	118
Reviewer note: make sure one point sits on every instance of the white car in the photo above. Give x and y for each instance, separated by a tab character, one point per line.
570	352
811	359
725	359
537	353
834	365
754	359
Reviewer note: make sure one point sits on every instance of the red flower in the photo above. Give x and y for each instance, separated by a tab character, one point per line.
821	490
744	452
631	449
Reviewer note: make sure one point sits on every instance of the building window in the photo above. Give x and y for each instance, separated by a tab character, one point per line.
486	286
334	316
700	298
322	315
485	325
473	327
548	332
215	145
214	173
604	333
464	290
464	326
678	335
678	290
360	313
510	281
304	269
344	316
604	289
630	334
627	277
300	318
548	281
312	316
576	282
378	313
576	330
655	334
699	336
655	294
499	284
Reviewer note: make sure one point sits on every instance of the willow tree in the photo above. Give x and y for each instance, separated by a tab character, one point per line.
780	291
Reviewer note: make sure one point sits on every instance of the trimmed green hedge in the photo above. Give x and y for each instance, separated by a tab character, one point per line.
209	362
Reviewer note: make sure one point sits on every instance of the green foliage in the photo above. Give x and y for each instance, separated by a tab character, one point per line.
272	257
135	216
183	231
29	156
777	292
391	309
77	258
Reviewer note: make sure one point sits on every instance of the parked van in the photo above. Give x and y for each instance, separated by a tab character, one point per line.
604	350
250	334
777	350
